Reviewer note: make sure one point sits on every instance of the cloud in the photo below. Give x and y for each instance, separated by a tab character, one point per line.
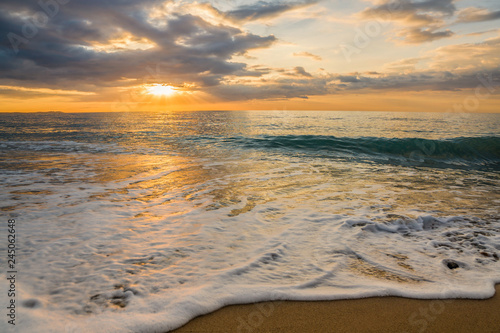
448	68
473	14
186	48
422	35
336	84
22	92
280	88
421	12
476	57
307	54
348	78
301	71
403	65
422	81
422	19
479	33
101	48
265	10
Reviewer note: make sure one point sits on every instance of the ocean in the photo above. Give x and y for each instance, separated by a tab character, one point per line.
141	221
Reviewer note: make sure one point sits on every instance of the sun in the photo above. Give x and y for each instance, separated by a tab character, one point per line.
160	90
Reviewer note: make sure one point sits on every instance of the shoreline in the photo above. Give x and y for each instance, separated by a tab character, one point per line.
374	314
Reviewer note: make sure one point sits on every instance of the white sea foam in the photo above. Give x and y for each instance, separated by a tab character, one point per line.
94	260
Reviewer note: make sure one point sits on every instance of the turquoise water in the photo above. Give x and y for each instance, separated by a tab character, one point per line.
440	140
143	220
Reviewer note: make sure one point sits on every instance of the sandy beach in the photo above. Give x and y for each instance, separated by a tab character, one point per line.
378	314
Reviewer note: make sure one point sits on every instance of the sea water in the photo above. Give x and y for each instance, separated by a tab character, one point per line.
138	222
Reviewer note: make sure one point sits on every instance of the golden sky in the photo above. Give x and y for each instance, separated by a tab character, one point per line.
75	56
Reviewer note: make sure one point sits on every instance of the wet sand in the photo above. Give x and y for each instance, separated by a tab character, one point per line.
378	314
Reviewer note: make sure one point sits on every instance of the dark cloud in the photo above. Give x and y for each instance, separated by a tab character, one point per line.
186	48
265	10
424	81
359	83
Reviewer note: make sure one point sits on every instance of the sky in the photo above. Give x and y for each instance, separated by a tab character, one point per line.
157	55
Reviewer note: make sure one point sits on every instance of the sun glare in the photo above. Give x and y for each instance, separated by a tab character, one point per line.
161	90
